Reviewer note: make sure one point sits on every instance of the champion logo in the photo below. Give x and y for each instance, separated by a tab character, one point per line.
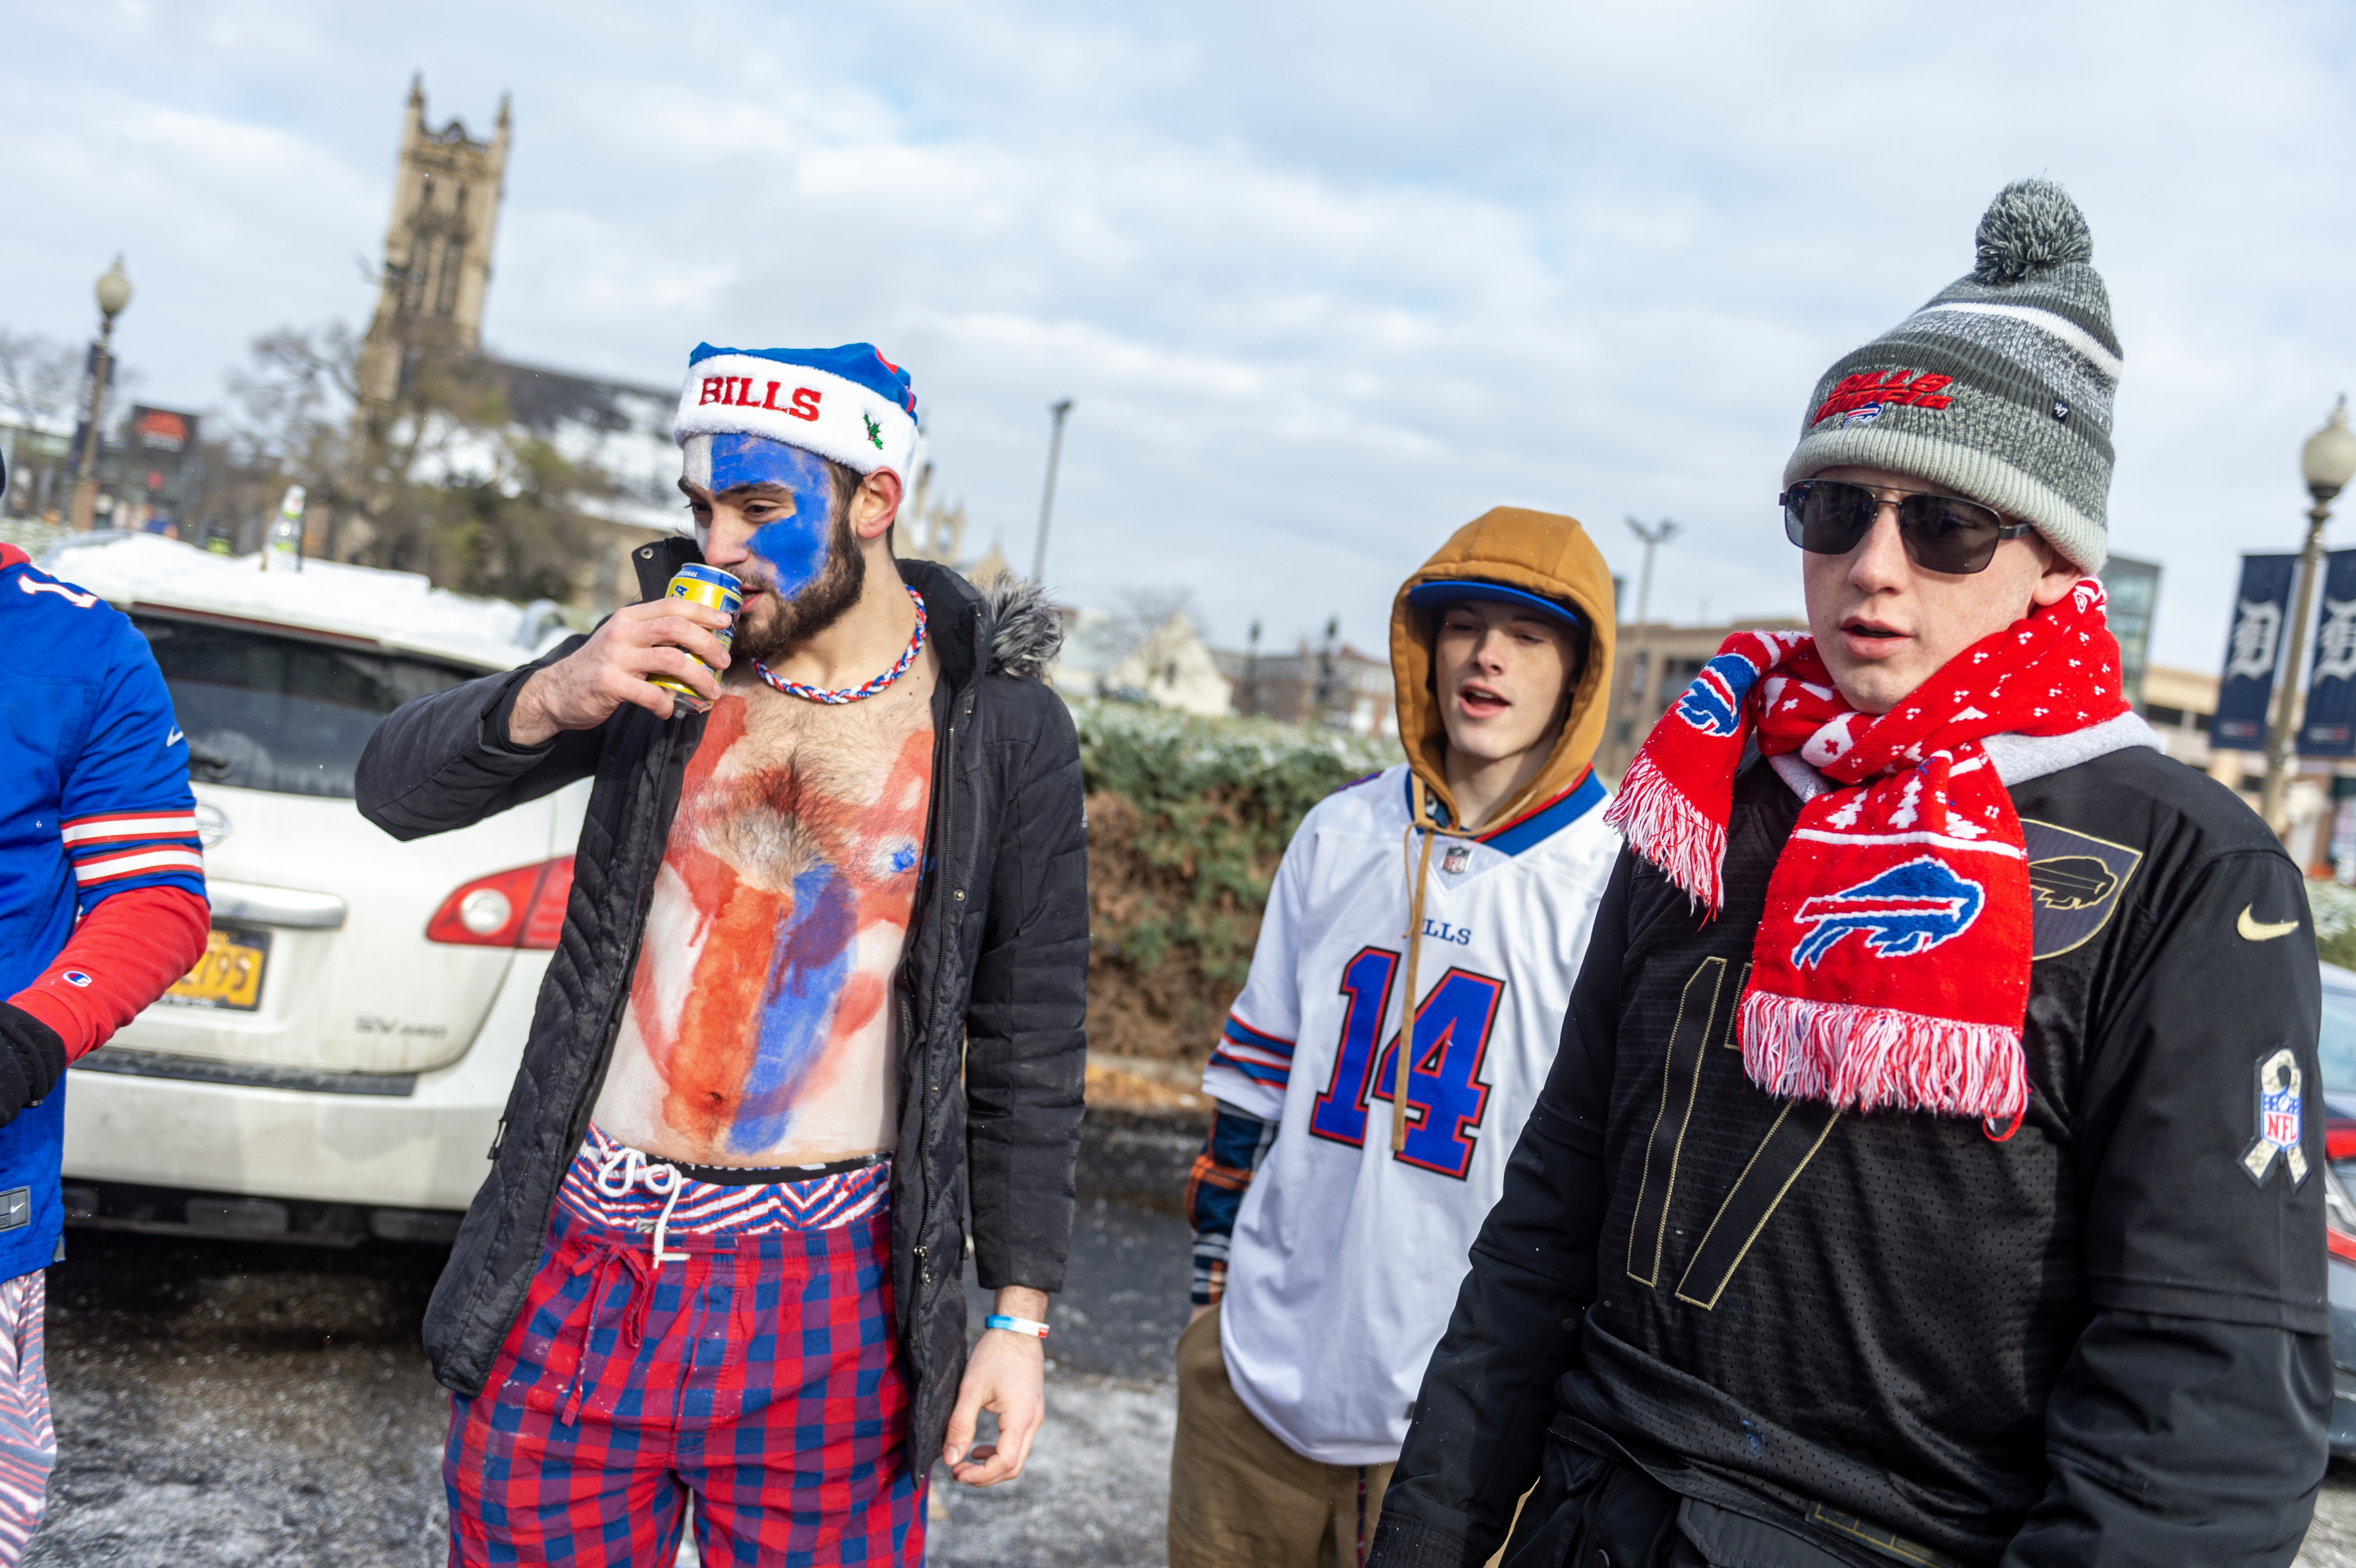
73	976
1875	389
1713	703
1905	910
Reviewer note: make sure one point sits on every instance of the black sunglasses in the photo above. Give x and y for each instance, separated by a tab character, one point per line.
1942	533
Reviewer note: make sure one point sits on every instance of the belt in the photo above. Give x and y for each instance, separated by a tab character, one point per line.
770	1175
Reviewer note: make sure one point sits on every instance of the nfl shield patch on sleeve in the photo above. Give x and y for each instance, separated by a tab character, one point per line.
2279	1121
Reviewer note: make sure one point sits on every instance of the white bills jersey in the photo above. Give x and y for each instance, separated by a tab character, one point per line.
1346	1258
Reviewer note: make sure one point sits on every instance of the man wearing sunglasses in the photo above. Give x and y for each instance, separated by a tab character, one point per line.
1929	1172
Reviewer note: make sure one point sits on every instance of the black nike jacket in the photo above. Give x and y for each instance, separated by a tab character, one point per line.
2098	1337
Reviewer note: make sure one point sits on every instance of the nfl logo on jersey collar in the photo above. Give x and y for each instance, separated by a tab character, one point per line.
849	404
1454	858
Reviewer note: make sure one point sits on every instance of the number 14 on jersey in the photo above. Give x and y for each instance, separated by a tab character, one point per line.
1445	1096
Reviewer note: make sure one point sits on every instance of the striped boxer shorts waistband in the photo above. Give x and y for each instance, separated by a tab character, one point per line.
613	1187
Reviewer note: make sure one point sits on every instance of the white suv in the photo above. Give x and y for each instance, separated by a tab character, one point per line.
336	1065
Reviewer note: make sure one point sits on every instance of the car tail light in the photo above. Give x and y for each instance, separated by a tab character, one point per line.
2340	1138
2339	1217
522	908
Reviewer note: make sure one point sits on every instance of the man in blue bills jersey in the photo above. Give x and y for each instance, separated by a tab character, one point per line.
102	908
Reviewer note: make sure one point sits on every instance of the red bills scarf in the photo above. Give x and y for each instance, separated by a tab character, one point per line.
1891	968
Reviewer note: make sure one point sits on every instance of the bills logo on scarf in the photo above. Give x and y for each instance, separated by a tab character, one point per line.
1892	965
1899	913
1713	703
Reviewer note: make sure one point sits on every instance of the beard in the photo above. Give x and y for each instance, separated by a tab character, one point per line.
823	601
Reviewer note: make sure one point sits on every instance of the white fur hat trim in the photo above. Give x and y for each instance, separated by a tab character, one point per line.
746	394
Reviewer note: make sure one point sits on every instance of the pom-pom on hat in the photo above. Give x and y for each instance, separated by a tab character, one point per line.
2000	388
848	404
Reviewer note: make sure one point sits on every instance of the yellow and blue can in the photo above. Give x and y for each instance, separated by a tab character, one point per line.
706	585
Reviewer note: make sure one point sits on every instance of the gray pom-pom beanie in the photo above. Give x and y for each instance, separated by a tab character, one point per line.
1999	389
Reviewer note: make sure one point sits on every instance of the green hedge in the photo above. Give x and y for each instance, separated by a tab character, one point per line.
2335	922
1180	866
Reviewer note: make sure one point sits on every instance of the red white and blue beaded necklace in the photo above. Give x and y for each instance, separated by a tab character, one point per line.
809	693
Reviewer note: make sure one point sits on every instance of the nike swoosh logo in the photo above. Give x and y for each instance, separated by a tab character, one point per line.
2260	930
175	738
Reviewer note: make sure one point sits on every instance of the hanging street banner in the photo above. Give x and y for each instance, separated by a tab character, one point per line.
2253	653
2330	727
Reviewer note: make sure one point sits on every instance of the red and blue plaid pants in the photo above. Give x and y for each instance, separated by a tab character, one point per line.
762	1374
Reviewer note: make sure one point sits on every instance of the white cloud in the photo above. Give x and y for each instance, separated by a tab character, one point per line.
1323	280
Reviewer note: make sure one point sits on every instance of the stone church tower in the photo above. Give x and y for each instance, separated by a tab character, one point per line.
437	248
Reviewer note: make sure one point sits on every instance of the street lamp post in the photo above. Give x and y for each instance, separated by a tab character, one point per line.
2328	462
114	293
1654	536
1047	498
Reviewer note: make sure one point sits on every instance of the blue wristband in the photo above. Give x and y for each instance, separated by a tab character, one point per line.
1016	1324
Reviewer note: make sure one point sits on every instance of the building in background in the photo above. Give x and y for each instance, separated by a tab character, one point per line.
2133	587
2179	704
427	329
1332	686
437	247
1652	664
1108	657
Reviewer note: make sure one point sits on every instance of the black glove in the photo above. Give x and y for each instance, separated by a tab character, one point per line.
32	1060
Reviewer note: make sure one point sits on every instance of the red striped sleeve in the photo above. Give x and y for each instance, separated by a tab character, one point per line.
125	953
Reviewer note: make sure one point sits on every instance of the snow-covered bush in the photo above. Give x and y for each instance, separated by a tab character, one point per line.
1187	819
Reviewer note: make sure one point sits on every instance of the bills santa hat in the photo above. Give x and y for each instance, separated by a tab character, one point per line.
849	404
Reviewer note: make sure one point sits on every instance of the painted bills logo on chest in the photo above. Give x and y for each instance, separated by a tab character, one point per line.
2281	1105
1907	909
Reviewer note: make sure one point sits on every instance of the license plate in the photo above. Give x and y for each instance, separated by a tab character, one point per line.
228	975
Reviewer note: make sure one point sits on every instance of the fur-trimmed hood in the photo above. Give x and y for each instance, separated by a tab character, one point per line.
1026	632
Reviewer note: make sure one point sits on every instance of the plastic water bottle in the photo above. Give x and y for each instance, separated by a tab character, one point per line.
283	550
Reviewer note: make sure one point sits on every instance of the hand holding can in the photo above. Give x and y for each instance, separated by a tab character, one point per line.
717	590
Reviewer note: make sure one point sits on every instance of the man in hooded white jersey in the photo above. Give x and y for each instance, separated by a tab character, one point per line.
1332	1213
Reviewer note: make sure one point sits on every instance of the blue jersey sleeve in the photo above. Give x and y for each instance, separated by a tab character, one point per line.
125	812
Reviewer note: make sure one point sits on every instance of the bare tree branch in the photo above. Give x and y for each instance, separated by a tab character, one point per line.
38	377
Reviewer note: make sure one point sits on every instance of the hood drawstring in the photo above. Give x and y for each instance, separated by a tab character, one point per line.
1419	874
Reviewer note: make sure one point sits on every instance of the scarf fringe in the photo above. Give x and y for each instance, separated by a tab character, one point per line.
1667	829
1870	1059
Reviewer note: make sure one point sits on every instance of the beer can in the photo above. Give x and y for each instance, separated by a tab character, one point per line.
707	586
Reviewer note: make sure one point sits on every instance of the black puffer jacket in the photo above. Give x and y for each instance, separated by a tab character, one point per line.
992	992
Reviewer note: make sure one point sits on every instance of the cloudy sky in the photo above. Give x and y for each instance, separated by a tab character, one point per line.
1323	280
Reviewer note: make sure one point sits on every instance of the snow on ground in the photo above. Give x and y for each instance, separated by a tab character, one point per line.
221	1404
1093	1495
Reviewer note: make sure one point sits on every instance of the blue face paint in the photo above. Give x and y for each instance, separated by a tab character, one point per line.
794	548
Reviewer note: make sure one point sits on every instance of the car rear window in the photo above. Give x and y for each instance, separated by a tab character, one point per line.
266	711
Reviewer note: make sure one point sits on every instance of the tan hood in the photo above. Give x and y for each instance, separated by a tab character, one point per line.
1536	552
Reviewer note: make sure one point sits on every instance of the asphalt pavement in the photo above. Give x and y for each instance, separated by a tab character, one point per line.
223	1403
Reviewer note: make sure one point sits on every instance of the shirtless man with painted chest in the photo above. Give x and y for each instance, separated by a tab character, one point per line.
720	1308
791	870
